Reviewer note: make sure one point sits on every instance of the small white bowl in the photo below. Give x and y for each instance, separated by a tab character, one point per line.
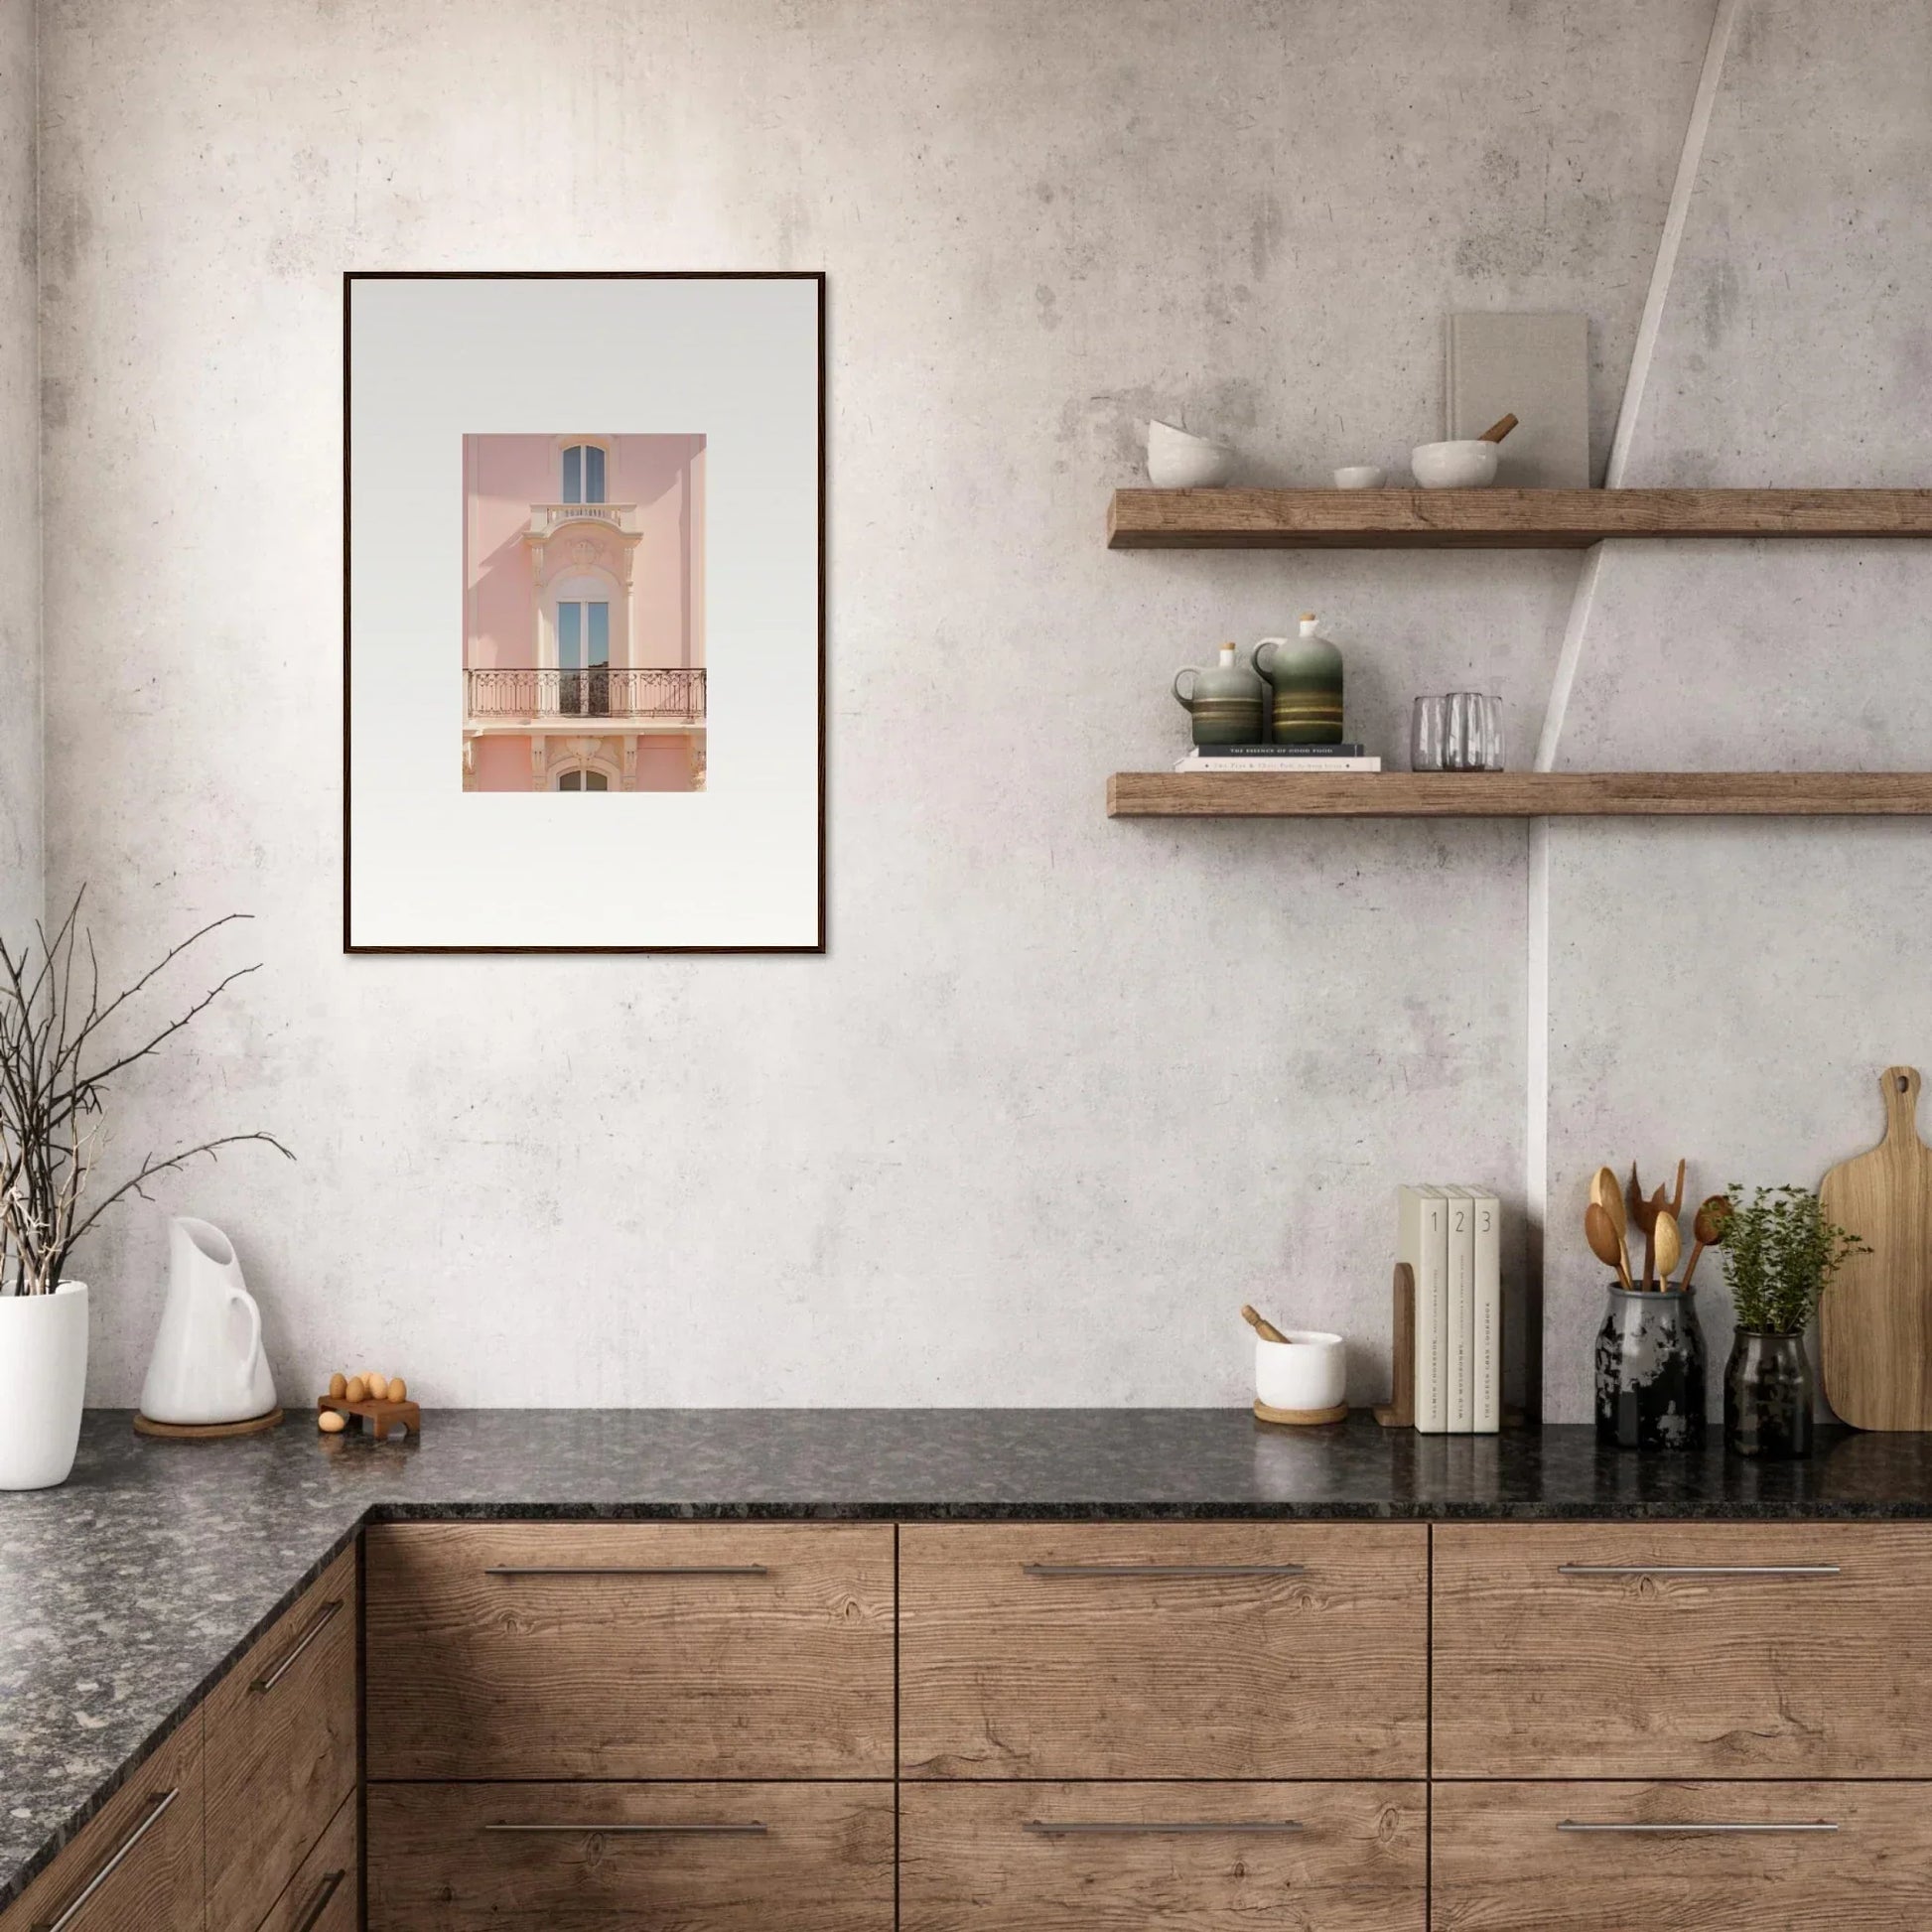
1307	1371
1178	461
1360	476
1455	466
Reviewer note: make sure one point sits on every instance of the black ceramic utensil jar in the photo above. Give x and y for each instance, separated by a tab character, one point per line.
1650	1370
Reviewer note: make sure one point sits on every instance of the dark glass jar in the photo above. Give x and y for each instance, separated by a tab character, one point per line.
1768	1396
1650	1370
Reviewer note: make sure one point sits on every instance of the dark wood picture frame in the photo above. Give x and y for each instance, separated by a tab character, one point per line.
350	278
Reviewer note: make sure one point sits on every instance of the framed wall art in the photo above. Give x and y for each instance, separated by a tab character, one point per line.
584	596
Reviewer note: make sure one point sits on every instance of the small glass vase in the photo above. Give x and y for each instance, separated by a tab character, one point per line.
1769	1392
1650	1370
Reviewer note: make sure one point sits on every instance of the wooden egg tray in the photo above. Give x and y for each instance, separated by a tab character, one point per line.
377	1418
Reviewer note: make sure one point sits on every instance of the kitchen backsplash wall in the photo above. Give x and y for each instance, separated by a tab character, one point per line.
1064	1092
20	593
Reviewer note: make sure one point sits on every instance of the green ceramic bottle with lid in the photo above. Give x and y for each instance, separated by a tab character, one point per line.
1226	701
1304	675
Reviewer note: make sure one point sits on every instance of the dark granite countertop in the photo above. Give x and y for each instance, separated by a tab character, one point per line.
125	1595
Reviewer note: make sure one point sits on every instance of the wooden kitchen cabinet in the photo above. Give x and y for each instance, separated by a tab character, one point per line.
630	1651
1679	1650
325	1894
585	1858
136	1867
281	1751
1706	1856
1194	1857
1209	1650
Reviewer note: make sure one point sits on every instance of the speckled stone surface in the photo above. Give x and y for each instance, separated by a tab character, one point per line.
125	1595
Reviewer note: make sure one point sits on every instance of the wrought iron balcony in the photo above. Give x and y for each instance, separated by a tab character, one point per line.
608	691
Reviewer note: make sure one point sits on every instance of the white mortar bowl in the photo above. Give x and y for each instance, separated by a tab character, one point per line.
1178	461
1307	1371
1455	466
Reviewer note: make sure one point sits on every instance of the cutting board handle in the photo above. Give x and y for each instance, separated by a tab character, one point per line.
1899	1085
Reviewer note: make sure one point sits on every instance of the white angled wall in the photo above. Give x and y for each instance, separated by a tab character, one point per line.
1064	1092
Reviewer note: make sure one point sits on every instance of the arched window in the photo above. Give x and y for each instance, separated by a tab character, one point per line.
583	474
582	779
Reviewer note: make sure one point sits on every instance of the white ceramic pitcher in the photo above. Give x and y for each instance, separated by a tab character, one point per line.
208	1364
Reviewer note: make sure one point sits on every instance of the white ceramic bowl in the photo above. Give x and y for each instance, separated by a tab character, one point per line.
1178	461
1455	466
1359	475
1307	1371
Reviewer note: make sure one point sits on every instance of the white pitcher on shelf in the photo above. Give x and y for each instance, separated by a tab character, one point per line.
207	1364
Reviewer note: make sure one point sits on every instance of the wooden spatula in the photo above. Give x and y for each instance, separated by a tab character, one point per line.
1875	1330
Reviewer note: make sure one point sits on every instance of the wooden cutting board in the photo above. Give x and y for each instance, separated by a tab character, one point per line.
1875	1328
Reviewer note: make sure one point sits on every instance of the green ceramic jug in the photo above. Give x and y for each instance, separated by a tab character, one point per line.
1226	701
1306	675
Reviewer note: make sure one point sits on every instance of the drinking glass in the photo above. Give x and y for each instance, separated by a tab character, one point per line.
1425	734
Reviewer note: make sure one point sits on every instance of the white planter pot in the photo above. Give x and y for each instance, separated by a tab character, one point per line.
42	1379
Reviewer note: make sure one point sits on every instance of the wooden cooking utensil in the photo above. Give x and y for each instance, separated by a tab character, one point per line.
1875	1330
1262	1327
1605	1192
1497	430
1669	1238
1676	1196
1708	1229
1606	1243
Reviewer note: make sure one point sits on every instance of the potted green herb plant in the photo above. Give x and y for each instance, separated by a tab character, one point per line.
1780	1255
64	1040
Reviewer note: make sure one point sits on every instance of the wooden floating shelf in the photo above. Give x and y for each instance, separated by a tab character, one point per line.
1520	795
1497	519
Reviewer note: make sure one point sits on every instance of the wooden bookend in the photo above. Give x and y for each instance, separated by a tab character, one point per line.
1400	1410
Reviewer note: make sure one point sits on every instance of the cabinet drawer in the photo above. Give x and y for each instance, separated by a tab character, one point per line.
658	1650
987	1858
1710	1650
1509	1857
281	1751
574	1857
1215	1650
323	1893
136	1867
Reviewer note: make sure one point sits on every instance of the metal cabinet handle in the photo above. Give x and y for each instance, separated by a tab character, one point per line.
158	1804
263	1684
319	1901
747	1829
628	1570
1696	1829
1698	1570
1135	1828
1164	1568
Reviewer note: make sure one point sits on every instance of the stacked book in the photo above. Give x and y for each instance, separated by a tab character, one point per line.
1448	1237
1279	757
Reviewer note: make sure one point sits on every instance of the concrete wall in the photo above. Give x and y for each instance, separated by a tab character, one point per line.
1064	1092
1731	992
20	554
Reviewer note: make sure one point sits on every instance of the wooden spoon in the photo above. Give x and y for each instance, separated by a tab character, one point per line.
1606	1243
1709	1229
1497	430
1603	1191
1676	1197
1669	1238
1262	1327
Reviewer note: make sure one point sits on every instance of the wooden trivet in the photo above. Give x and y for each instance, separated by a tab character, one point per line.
205	1432
377	1418
1301	1418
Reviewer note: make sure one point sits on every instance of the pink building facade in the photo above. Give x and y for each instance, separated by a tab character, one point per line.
583	614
